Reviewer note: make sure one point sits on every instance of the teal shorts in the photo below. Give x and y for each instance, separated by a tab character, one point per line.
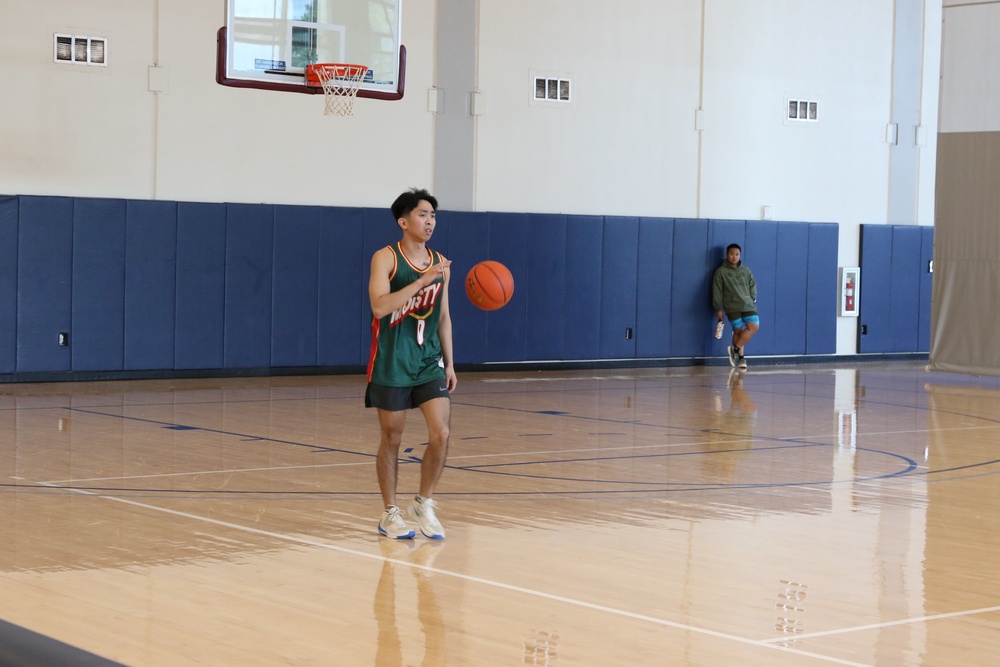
745	318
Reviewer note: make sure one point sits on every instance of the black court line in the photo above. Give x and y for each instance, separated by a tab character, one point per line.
244	436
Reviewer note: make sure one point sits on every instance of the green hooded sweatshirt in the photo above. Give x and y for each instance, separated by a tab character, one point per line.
734	290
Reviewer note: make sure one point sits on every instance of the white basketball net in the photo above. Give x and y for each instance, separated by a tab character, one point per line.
340	87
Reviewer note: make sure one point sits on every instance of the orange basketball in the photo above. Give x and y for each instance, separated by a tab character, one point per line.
489	285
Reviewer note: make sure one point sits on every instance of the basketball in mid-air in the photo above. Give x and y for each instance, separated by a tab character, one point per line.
489	285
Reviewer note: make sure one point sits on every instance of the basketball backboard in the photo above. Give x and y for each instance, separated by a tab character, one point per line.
267	44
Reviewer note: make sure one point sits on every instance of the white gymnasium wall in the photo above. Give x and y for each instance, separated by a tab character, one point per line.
71	129
760	54
626	145
930	98
92	131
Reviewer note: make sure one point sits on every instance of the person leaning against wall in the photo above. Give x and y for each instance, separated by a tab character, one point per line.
734	293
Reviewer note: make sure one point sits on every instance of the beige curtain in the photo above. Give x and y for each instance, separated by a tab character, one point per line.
965	309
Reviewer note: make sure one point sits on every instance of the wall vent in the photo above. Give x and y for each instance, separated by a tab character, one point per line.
552	89
806	111
80	50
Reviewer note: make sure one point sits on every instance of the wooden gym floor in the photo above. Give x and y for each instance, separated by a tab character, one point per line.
794	515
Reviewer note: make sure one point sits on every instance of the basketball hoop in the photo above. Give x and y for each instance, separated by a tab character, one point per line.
340	85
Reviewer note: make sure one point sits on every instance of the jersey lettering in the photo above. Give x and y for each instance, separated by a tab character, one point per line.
422	300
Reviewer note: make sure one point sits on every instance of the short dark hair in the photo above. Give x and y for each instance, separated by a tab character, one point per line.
409	200
734	245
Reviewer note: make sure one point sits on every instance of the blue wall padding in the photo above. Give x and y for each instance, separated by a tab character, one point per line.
895	298
721	233
619	259
761	252
150	284
201	286
249	276
295	285
546	271
876	281
8	284
691	281
506	329
653	287
925	277
343	292
904	289
790	270
98	311
144	285
581	308
465	242
821	297
44	283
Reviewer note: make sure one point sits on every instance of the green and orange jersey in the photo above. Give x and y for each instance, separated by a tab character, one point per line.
406	349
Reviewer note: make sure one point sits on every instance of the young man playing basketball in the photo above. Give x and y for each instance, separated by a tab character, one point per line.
734	292
411	364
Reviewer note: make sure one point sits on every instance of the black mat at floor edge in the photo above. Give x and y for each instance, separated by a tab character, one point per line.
20	647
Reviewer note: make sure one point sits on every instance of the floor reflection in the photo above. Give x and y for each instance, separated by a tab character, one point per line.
417	557
732	430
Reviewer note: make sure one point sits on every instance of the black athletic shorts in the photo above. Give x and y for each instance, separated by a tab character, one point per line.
404	398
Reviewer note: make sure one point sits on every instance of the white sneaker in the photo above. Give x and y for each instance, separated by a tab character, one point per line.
742	365
733	354
422	510
392	524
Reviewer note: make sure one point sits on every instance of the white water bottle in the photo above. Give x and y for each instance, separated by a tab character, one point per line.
718	330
